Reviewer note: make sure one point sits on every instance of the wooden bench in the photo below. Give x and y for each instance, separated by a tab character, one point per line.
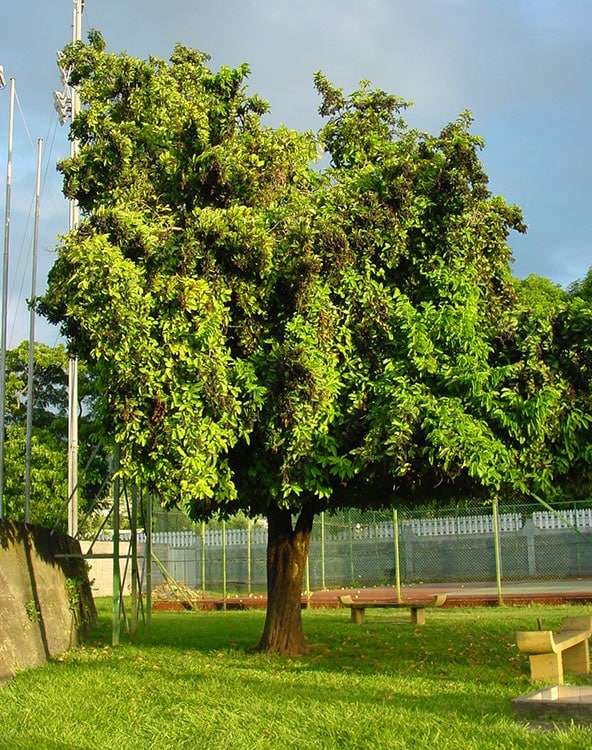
417	608
551	653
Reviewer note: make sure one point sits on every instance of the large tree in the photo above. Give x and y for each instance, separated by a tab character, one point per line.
284	339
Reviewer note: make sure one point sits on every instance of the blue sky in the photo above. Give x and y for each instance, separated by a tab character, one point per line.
523	68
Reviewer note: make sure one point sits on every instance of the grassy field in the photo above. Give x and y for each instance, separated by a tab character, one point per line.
188	681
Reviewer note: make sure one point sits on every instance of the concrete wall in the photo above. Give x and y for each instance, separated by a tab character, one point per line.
39	616
100	569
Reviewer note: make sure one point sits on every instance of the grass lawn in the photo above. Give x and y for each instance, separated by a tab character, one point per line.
187	681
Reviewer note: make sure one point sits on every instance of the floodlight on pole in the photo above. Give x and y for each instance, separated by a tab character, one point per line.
62	104
64	71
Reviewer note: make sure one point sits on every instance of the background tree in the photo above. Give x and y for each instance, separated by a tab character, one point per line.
540	295
49	443
551	344
582	287
283	340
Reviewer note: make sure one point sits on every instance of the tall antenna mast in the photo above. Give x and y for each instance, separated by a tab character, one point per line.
67	104
5	288
31	366
73	362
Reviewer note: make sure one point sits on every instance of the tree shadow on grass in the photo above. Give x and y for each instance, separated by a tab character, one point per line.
37	741
446	649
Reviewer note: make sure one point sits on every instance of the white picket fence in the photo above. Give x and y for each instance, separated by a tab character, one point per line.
444	526
422	527
464	525
211	538
580	518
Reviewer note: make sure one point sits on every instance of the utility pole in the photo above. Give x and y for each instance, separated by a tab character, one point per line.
31	368
73	363
67	104
4	315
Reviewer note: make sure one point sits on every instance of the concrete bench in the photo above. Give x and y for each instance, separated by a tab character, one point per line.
417	608
552	653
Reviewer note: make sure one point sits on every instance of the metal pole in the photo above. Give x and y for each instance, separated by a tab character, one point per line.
73	363
249	525
134	555
203	556
72	446
351	546
148	556
5	293
376	547
224	579
30	379
116	572
498	559
323	551
397	557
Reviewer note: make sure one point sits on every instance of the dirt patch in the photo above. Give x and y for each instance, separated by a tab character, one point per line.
458	595
175	597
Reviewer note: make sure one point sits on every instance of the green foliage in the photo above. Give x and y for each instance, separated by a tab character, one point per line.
49	486
73	590
268	335
32	611
78	603
49	479
582	288
551	380
540	295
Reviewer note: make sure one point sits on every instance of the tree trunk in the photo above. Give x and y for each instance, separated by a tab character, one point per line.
287	552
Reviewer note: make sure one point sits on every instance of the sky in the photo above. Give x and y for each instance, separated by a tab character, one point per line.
522	67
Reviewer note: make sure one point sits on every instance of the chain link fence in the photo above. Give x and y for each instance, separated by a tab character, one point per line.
364	549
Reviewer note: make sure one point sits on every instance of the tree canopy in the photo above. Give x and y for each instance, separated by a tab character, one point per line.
283	337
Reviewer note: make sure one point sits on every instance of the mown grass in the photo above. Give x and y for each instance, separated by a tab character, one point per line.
188	681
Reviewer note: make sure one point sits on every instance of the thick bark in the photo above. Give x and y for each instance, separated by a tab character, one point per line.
287	552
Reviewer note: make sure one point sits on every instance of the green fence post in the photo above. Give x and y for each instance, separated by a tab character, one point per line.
498	559
116	575
377	548
397	557
224	593
203	556
578	555
351	546
249	524
148	555
134	555
323	550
